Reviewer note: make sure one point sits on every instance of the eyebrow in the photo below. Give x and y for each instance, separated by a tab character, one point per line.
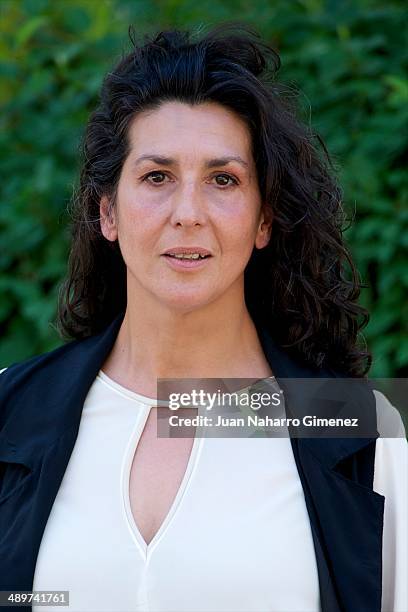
210	163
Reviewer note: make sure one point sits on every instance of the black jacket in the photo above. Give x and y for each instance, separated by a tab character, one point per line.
41	401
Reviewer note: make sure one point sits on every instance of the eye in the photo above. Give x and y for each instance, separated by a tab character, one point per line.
226	177
154	173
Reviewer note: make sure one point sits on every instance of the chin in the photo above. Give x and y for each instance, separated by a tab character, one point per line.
186	302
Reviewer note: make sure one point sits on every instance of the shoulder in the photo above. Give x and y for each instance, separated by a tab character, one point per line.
391	454
25	379
21	370
39	358
389	420
67	357
390	481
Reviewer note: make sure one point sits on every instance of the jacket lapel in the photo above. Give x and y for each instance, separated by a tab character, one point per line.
345	514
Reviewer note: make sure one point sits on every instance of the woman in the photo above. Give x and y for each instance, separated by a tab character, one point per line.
206	243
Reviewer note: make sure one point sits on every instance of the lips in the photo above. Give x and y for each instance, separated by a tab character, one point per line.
187	250
186	264
188	257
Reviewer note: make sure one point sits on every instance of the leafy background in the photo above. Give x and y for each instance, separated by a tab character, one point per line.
345	61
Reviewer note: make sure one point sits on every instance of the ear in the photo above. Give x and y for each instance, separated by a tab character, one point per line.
263	234
108	219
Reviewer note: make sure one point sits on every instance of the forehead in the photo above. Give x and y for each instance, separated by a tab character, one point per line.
205	128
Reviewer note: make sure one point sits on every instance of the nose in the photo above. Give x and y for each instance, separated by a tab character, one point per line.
188	206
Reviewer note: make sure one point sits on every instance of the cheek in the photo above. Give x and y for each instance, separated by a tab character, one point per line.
237	215
237	245
135	235
138	226
240	231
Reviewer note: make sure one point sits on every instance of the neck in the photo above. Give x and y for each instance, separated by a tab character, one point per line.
217	340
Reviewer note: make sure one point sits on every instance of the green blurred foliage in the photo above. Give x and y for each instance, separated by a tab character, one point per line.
346	63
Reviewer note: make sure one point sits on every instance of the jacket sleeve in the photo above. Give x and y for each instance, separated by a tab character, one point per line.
391	480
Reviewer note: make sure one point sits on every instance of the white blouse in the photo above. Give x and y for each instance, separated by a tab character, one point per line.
237	536
238	526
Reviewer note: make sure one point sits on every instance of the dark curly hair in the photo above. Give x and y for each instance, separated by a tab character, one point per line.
303	286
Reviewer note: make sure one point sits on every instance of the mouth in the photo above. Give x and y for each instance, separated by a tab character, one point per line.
187	263
193	256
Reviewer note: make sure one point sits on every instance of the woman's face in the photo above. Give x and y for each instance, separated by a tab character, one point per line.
180	187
